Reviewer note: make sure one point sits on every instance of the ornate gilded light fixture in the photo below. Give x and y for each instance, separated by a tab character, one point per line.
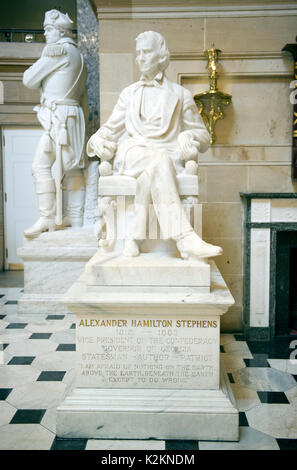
210	102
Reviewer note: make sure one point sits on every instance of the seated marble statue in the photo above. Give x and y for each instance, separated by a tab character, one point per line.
162	127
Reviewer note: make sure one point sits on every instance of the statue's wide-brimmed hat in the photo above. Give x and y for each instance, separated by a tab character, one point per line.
57	19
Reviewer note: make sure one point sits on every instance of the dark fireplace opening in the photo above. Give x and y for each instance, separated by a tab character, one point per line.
286	283
293	291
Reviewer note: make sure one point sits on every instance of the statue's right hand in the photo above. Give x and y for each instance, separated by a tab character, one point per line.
103	148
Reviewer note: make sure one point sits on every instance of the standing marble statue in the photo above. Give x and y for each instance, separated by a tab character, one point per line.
60	74
153	127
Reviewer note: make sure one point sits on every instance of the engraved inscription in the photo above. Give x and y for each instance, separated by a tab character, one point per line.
147	353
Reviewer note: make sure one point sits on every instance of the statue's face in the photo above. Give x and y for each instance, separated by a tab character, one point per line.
52	34
148	56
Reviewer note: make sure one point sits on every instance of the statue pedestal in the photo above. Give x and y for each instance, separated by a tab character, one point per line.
148	356
52	262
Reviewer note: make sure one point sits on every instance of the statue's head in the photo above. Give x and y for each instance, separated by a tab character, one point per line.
56	25
152	53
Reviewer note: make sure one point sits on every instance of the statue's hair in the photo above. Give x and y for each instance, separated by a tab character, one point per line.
160	41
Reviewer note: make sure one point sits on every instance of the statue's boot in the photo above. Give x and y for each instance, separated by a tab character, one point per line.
43	224
192	245
131	248
75	185
47	205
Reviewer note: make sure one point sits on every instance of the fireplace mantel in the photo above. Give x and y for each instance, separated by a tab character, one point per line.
266	214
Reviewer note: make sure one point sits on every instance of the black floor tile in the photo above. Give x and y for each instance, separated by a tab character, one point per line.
21	360
66	347
243	419
295	377
273	397
40	336
277	349
239	337
16	326
1	295
55	317
259	360
72	326
181	445
69	444
2	316
231	379
287	444
27	417
48	376
4	392
3	346
222	350
11	302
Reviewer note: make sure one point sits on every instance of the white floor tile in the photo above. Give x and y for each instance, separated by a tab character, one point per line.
25	437
95	444
37	395
250	439
7	411
279	421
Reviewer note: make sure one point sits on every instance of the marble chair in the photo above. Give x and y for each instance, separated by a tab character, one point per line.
115	205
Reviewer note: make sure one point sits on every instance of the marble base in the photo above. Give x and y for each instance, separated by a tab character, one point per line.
52	263
150	413
147	269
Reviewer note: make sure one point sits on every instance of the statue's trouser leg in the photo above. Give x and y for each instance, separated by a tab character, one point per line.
75	185
142	201
45	190
169	209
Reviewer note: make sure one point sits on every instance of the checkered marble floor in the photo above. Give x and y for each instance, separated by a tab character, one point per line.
37	372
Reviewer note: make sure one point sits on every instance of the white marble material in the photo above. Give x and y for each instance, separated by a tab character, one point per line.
163	352
60	75
154	136
232	362
52	262
17	375
259	277
60	360
274	210
6	412
37	395
264	379
144	413
238	349
279	421
84	299
245	398
249	439
286	365
109	444
25	437
31	347
292	396
149	269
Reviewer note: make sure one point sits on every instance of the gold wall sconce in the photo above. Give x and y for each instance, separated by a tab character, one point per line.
210	102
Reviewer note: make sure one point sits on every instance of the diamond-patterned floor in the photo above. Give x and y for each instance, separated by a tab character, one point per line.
37	371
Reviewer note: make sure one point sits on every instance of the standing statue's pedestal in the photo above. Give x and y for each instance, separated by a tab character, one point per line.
52	262
148	351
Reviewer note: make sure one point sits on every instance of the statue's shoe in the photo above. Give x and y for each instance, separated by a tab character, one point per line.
43	224
192	245
131	248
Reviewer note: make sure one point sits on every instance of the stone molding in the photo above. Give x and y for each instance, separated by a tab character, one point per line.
195	9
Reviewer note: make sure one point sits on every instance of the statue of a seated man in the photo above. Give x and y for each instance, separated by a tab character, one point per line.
163	128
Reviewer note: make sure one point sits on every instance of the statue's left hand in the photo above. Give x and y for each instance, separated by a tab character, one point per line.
189	145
